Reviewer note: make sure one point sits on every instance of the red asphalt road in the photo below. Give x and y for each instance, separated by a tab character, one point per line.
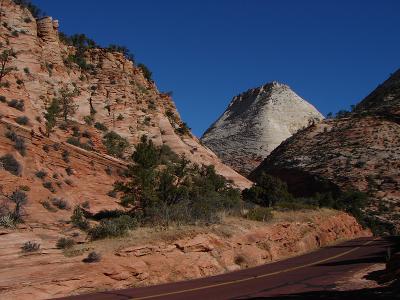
315	271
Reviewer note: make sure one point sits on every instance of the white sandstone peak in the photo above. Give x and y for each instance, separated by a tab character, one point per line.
256	122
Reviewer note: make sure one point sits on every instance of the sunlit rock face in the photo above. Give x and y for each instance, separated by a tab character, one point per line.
256	122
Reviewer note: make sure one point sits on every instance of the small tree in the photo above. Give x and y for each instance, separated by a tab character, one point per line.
5	58
20	199
52	113
267	191
66	102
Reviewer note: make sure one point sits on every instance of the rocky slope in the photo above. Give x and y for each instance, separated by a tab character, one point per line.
111	90
256	122
359	151
149	257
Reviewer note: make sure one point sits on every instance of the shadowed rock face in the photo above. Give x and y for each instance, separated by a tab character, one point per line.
360	151
385	99
256	122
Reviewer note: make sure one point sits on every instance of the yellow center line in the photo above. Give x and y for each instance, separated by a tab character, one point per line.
253	277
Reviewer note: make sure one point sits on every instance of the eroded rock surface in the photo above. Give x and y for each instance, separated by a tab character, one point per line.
256	122
358	151
230	246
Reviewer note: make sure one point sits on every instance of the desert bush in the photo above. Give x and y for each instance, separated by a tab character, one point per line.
267	191
78	219
3	99
48	185
259	213
46	148
41	174
47	205
65	243
20	199
68	181
92	257
10	164
146	72
100	126
60	203
120	117
88	120
76	142
19	142
110	228
30	246
17	104
20	146
69	171
7	221
24	120
115	144
65	156
183	129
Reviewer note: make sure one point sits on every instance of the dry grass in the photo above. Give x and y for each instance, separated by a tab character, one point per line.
229	227
301	215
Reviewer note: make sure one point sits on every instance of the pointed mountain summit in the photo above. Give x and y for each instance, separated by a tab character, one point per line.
256	122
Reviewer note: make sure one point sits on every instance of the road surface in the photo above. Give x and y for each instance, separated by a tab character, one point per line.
291	278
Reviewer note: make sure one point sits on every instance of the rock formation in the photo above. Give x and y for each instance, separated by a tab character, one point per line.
256	122
140	262
360	150
112	89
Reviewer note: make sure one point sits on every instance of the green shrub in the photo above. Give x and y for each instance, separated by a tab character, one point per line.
267	191
30	246
115	144
41	174
88	120
3	99
179	192
17	104
120	117
22	120
109	228
259	213
48	185
65	243
76	142
10	164
100	126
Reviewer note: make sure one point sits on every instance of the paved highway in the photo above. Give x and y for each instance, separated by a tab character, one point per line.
309	276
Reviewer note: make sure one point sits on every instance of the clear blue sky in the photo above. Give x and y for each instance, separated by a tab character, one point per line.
332	53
